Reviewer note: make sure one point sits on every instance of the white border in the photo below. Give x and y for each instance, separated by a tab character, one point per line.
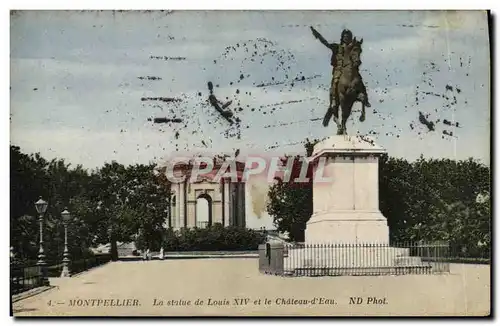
227	4
251	5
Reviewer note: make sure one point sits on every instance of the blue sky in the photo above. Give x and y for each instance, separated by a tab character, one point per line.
76	92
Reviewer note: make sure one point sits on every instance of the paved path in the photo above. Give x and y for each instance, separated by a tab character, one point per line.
130	289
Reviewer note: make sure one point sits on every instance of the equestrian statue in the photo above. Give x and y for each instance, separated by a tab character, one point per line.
347	85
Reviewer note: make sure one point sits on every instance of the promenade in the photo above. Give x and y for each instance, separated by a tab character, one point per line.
234	287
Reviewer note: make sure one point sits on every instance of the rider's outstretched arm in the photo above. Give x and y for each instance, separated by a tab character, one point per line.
322	39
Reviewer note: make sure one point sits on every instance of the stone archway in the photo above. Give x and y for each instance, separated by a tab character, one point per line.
203	211
227	198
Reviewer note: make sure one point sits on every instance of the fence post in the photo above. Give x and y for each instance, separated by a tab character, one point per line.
277	257
262	258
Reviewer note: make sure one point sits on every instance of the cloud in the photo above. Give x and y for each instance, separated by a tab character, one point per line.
463	21
89	91
92	148
61	69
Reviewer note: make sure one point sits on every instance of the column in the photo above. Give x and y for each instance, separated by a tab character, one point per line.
177	206
190	212
173	213
241	204
234	203
226	202
182	204
166	224
216	208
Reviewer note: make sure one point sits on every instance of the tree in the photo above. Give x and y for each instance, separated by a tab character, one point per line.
290	203
398	192
150	199
130	199
291	208
427	199
27	180
107	205
32	177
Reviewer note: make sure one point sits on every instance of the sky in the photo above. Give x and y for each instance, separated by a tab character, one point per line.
80	82
85	85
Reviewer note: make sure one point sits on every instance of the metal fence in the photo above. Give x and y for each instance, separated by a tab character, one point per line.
469	254
353	259
88	263
23	278
27	276
202	224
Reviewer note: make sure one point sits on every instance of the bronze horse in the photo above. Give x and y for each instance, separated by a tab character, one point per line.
350	88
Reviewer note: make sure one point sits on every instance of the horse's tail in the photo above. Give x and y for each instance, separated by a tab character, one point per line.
328	117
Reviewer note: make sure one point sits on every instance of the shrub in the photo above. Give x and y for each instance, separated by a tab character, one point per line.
213	238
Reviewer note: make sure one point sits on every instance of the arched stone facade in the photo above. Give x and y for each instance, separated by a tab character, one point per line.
200	202
226	201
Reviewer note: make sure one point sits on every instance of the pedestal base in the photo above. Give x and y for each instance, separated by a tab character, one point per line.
331	260
65	272
347	227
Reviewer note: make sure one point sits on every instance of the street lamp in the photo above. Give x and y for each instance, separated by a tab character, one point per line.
66	216
41	207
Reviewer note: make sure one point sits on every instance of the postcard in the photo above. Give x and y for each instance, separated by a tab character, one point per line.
250	163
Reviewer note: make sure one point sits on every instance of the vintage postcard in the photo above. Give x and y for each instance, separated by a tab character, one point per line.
250	163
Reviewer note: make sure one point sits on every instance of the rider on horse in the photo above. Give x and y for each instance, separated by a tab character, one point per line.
338	62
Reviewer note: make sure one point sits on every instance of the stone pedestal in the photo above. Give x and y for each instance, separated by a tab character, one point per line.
346	207
347	234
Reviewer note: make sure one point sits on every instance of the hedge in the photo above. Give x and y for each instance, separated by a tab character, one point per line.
212	238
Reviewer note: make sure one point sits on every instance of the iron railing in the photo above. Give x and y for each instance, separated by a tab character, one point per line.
354	259
84	264
24	277
27	276
202	224
466	253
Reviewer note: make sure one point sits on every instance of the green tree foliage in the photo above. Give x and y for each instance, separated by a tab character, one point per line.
423	200
27	183
108	205
427	199
290	202
133	199
437	200
291	207
32	177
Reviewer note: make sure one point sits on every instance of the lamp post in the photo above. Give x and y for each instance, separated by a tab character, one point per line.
66	216
41	207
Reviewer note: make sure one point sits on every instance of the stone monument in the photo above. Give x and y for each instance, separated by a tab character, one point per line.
346	210
347	232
